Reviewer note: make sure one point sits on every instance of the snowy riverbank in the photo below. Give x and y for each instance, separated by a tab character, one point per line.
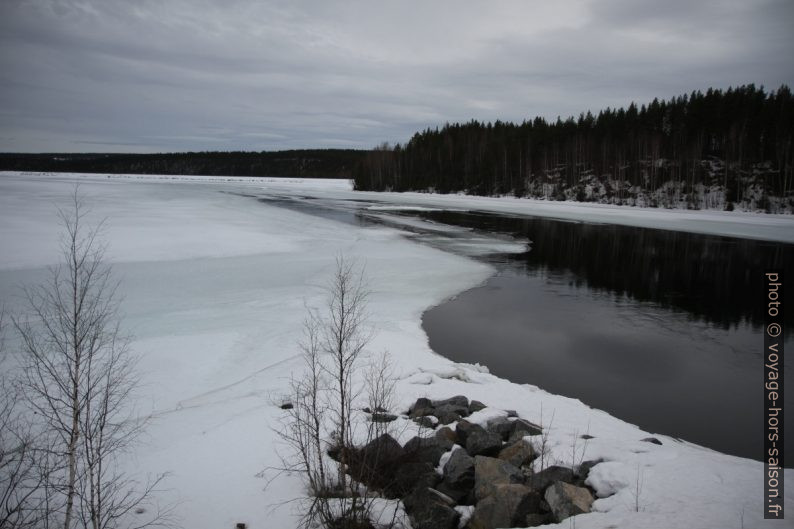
215	285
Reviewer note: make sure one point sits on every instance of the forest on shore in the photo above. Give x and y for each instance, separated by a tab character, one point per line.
703	150
306	163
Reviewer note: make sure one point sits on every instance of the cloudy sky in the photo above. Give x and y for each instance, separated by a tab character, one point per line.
176	75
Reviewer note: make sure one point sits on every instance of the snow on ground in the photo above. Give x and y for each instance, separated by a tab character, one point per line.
214	287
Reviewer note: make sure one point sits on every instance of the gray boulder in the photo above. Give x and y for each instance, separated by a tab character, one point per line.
376	463
462	430
410	476
519	453
501	426
523	428
429	509
508	506
457	400
566	500
489	472
458	477
446	437
448	414
476	405
383	417
426	421
547	476
427	449
480	442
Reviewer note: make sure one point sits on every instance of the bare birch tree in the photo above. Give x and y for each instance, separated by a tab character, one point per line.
78	376
323	416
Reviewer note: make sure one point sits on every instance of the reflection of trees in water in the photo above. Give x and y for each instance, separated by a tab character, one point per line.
716	279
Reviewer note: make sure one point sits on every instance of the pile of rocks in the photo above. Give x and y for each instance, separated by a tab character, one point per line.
489	469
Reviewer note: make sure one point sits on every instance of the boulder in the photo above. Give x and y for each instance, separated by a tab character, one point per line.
501	426
427	449
421	403
411	475
480	442
462	430
534	520
547	476
476	405
426	421
448	414
509	506
429	509
583	471
421	408
489	472
652	440
519	453
458	476
457	400
523	427
446	437
566	500
376	463
383	417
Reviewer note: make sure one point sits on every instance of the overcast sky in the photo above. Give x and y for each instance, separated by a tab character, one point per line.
176	75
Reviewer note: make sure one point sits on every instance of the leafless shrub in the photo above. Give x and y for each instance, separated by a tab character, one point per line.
323	426
78	377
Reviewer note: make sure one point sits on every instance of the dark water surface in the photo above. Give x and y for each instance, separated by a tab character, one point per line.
659	328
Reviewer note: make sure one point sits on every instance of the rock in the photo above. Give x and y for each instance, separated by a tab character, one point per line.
457	400
426	421
458	476
476	405
489	472
566	500
501	426
584	469
383	417
508	506
448	414
421	403
462	430
534	520
446	437
377	462
653	440
427	449
421	408
411	475
524	428
519	453
479	442
430	510
546	477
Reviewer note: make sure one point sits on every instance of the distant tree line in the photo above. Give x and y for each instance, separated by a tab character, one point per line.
310	163
736	142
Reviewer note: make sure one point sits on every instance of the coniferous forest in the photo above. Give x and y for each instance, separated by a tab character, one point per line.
306	163
715	149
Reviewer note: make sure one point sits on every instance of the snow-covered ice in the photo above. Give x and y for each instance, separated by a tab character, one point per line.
215	285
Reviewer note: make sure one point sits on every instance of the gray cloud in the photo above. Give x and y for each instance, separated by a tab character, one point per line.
113	75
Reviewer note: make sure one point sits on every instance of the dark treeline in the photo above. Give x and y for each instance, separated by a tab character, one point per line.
314	163
736	144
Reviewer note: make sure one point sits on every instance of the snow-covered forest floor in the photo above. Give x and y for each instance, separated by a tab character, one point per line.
215	287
